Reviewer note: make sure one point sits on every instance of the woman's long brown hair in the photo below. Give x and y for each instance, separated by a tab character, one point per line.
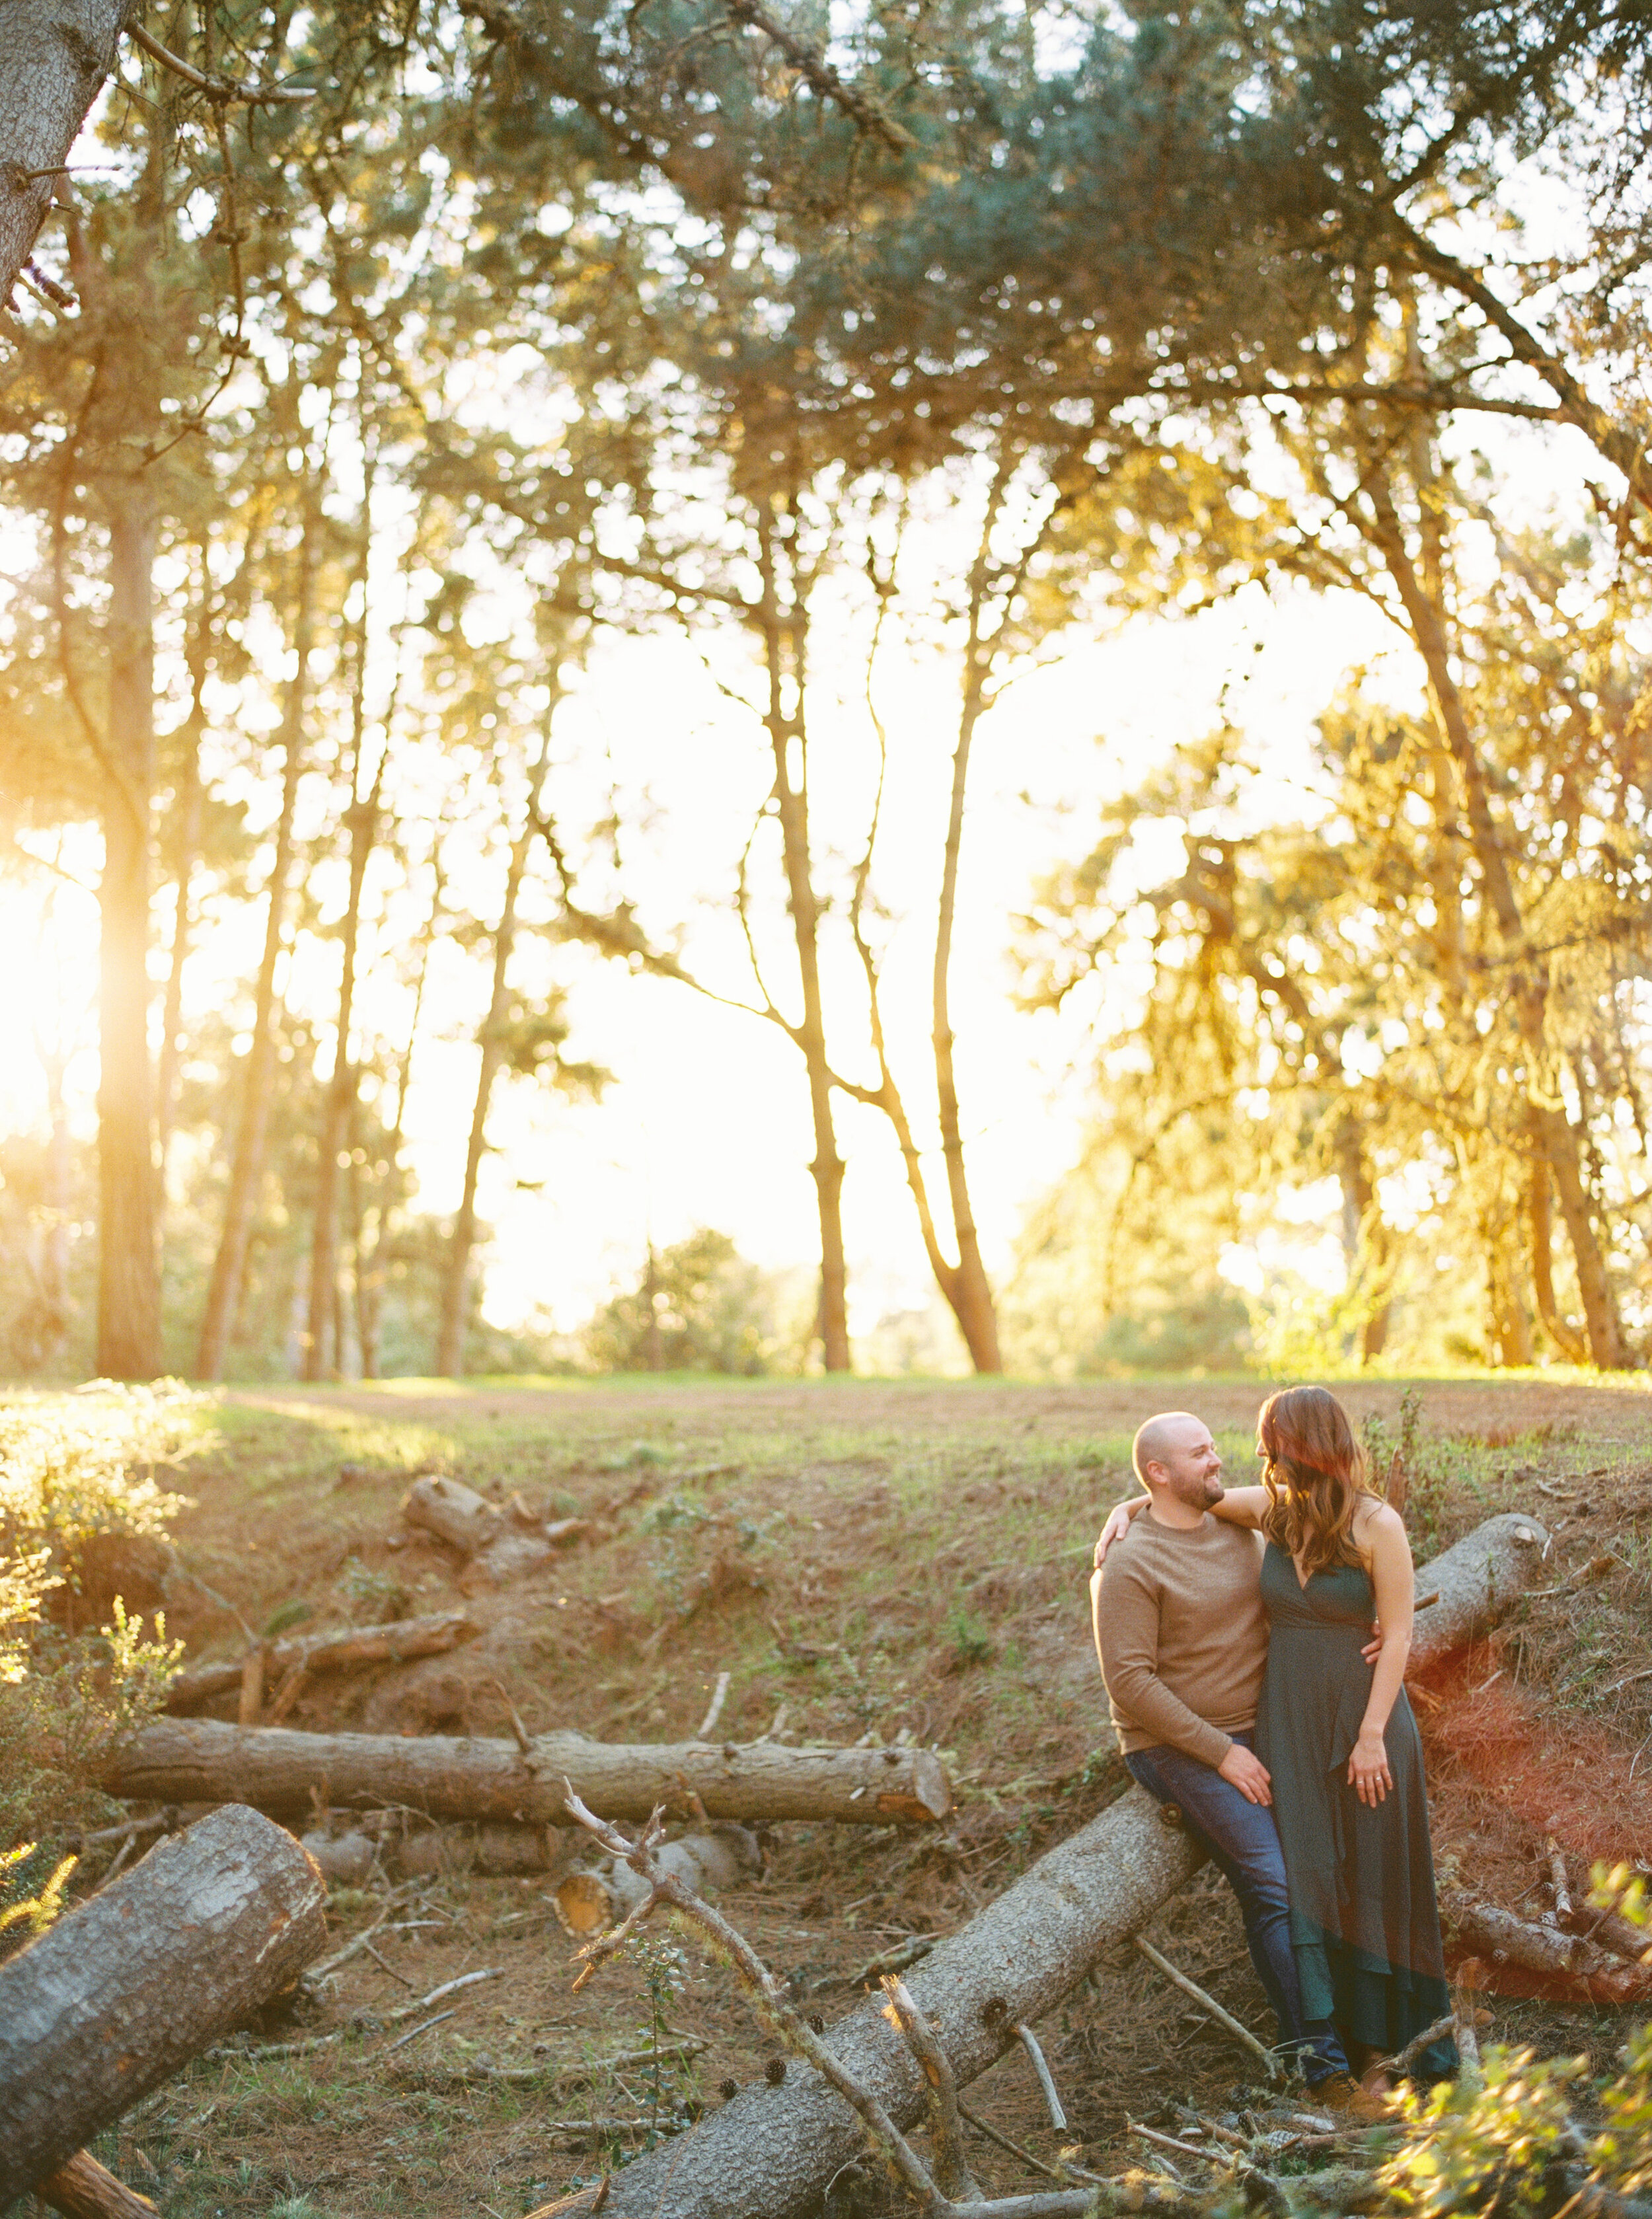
1315	1475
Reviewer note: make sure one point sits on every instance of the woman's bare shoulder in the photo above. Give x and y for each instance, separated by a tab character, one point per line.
1375	1520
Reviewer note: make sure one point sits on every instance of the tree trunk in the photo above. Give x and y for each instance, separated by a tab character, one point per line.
784	729
128	1279
1361	1221
1570	1343
109	2002
971	1294
770	2153
53	57
322	1353
1551	1129
188	847
370	1265
448	1776
449	1346
247	1167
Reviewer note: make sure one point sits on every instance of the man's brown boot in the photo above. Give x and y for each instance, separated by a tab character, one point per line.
1344	2097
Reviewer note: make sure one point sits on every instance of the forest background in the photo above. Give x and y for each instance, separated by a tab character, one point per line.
1001	651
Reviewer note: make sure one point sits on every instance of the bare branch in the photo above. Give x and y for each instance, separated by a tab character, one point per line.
218	89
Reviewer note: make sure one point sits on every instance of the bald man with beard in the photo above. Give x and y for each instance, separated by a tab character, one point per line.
1182	1638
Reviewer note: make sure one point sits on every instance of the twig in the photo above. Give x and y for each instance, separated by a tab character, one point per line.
806	59
567	2075
436	1995
703	1731
1211	2008
386	1967
1400	2064
993	2135
1166	2141
896	1960
413	2033
216	88
1628	1680
1028	2041
951	2167
523	1738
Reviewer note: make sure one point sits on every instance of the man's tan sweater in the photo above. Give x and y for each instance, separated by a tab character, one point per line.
1182	1635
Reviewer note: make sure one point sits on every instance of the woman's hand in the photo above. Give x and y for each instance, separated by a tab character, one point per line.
1368	1768
1118	1521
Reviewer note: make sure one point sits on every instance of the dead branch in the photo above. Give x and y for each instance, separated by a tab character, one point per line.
216	89
1028	2041
1211	2008
951	2167
357	1646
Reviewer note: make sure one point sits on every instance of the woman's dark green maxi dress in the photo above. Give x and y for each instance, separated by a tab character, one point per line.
1364	1922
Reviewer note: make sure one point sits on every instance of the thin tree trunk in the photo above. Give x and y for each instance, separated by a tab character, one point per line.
792	803
973	1304
54	56
1539	1220
449	1346
323	1336
129	1284
1551	1130
247	1167
321	1350
185	851
370	1273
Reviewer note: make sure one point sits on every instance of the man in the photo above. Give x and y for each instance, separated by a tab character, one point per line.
1182	1635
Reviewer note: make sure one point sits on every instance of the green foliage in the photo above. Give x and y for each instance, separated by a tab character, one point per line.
75	1467
1512	2142
700	1307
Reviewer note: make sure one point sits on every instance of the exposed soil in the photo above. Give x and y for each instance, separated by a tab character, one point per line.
880	1559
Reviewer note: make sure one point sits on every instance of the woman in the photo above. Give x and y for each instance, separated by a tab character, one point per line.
1337	1736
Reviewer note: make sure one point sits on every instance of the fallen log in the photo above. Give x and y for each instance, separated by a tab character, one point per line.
501	1544
1580	1965
769	2153
284	1772
1476	1582
393	1643
589	1903
108	2003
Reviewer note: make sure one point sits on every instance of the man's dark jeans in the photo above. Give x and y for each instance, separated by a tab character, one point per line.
1243	1839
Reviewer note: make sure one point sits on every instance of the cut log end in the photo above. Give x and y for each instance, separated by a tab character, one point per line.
83	2188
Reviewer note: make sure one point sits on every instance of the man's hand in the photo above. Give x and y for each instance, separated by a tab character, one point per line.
1248	1773
1372	1648
1117	1522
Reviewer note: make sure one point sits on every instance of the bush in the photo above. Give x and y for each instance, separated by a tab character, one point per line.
74	1468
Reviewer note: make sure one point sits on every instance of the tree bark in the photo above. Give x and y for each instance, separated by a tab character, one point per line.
447	1776
455	1279
107	2003
128	1275
393	1644
770	2153
1540	1224
53	57
247	1167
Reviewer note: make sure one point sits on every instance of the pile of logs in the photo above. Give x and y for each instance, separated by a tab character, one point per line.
288	1666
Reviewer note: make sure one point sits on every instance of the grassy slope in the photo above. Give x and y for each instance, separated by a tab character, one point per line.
881	1558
